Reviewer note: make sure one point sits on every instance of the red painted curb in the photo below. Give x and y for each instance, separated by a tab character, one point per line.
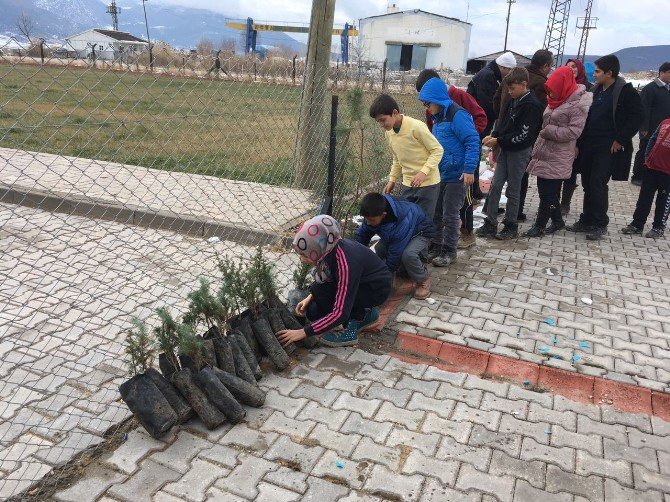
572	385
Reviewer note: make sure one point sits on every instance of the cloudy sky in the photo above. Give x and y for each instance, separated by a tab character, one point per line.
622	23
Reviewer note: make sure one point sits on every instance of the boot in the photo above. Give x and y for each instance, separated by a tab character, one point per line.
422	290
509	231
568	190
557	222
487	231
433	251
537	230
466	240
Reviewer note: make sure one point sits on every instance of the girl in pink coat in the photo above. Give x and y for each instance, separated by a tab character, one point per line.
555	148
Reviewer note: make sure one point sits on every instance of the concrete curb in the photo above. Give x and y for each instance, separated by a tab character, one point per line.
574	386
138	216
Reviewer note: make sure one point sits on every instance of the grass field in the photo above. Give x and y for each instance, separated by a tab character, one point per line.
237	130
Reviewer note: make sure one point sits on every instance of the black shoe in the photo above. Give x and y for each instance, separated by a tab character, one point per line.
522	217
501	210
433	251
637	183
534	231
555	227
631	230
655	233
579	226
508	232
596	234
487	231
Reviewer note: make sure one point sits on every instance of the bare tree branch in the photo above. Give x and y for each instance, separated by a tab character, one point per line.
26	26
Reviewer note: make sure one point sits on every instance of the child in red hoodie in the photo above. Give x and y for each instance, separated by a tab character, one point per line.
656	178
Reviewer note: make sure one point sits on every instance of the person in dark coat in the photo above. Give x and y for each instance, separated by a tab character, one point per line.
350	282
606	146
656	103
485	83
405	231
538	69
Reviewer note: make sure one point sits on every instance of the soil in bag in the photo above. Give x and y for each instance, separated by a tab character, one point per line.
274	318
243	391
208	354
208	413
219	395
177	402
269	342
291	322
148	405
248	354
166	366
244	327
242	368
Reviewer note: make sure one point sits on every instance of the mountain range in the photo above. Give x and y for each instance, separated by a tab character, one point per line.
181	27
184	27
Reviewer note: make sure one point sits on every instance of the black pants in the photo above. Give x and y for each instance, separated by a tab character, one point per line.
549	191
367	297
466	211
522	194
596	164
652	181
638	165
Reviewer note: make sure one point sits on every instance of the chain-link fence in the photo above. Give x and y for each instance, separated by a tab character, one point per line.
122	177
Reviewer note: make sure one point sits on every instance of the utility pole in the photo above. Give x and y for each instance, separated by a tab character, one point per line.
146	24
312	132
114	11
585	24
509	11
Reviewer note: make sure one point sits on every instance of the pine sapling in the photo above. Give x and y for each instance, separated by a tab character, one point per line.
139	350
189	344
167	338
264	272
302	277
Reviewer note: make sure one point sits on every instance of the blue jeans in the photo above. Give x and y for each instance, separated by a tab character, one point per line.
448	215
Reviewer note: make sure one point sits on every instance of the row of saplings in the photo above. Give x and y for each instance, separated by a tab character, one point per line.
214	373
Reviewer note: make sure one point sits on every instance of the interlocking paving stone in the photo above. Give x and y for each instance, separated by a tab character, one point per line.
389	484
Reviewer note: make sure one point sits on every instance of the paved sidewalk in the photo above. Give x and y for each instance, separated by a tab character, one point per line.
70	286
252	205
348	425
499	296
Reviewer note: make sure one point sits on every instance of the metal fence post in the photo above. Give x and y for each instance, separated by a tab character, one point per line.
327	205
384	75
293	70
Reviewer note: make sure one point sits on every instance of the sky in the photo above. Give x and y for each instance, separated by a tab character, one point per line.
621	23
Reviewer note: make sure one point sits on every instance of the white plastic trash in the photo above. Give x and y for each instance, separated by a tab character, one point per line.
587	301
213	240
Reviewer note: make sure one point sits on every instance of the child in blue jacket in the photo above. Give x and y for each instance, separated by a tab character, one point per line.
455	130
405	231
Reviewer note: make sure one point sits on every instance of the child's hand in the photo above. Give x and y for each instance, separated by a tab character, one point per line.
287	336
468	179
301	308
389	187
418	179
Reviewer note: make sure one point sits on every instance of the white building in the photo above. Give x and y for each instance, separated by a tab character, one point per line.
414	40
104	44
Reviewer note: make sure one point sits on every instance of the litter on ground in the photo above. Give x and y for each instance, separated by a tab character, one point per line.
587	301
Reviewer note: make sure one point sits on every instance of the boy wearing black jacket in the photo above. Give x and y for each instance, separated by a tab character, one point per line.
606	146
515	135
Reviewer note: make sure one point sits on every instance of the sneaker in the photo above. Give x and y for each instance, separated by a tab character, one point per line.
466	240
579	226
444	260
637	183
596	234
371	317
433	251
655	233
631	230
522	217
487	231
348	336
422	290
534	231
507	233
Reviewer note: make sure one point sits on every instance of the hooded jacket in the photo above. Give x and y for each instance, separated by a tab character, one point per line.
555	148
411	221
520	125
536	81
465	100
628	116
483	87
454	129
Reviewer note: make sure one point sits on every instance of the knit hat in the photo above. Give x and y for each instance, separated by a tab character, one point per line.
315	239
507	60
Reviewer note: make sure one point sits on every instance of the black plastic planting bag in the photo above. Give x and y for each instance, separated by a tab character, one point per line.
167	368
208	413
177	402
243	391
292	323
148	405
244	327
248	354
219	395
269	342
242	368
274	318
